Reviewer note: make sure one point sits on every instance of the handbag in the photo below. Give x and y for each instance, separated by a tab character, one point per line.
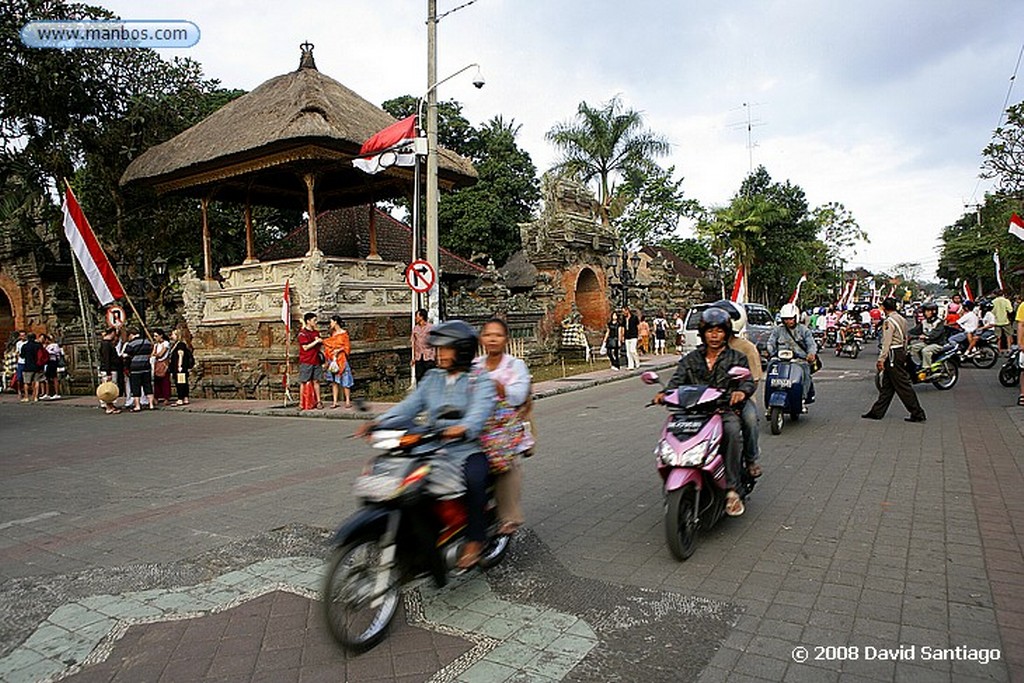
161	367
501	436
816	365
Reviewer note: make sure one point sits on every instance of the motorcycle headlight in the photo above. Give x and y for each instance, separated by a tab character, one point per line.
691	457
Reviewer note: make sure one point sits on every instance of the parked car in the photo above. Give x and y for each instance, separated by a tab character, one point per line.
759	325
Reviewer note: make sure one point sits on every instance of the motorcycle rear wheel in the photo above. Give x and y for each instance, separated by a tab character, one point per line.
681	522
1009	375
348	595
950	374
775	420
985	357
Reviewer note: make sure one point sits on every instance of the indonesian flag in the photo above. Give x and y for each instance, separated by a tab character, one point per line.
968	294
89	252
999	270
796	292
874	294
1017	226
390	147
286	307
739	286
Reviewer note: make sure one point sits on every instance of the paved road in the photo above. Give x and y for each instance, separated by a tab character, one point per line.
174	546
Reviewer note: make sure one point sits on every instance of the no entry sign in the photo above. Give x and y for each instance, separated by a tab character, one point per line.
420	276
115	316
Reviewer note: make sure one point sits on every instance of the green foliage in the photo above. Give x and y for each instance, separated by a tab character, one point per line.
605	143
694	252
454	131
652	204
1004	155
968	245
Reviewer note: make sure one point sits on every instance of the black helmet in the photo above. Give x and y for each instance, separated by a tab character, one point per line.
458	335
714	317
929	306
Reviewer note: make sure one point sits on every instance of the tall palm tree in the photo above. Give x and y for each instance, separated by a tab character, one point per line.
737	228
602	142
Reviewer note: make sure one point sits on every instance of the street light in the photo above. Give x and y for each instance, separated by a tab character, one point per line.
626	274
145	282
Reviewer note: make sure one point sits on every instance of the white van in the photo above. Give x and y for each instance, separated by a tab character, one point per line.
759	325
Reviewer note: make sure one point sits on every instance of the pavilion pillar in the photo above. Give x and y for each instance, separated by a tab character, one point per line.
204	203
373	255
250	257
310	179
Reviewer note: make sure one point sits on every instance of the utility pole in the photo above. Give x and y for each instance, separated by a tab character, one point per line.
432	236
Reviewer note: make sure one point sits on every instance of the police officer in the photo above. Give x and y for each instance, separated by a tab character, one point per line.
892	363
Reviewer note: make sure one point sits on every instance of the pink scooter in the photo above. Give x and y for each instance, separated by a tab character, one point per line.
690	463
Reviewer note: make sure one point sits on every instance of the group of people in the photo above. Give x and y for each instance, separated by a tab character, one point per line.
33	366
143	368
324	358
630	334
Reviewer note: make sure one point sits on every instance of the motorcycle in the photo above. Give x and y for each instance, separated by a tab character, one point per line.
850	346
985	352
943	373
410	524
690	463
783	390
1009	374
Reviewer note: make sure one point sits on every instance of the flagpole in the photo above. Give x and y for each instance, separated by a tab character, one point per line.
86	324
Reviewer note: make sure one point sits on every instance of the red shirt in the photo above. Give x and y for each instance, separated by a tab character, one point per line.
310	356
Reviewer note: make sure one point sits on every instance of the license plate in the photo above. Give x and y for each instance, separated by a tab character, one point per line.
781	383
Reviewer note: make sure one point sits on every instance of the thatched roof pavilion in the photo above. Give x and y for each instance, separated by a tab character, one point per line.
288	143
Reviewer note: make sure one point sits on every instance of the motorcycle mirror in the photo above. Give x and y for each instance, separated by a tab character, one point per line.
739	373
650	377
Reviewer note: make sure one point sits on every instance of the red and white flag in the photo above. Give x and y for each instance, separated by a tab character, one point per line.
90	254
796	292
1017	226
286	307
968	294
392	146
739	286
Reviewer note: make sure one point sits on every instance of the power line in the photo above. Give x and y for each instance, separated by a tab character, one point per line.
1002	111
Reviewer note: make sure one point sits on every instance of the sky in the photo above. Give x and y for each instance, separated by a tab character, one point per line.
881	105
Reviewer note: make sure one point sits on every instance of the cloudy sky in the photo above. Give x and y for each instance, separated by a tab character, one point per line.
882	105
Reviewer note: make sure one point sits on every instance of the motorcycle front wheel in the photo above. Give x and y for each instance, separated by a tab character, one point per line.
985	357
681	522
1009	375
950	374
357	612
775	420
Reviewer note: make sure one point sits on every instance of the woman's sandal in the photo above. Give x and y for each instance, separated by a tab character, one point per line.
734	504
508	528
470	555
754	470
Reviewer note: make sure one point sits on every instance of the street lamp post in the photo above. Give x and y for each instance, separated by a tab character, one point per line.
624	268
145	282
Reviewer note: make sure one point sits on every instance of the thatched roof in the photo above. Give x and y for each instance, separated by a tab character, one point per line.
261	143
345	233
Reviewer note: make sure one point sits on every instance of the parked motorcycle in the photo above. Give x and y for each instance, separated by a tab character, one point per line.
690	463
1009	374
409	525
783	390
943	373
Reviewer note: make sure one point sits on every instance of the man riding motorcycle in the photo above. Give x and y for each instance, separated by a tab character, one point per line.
458	402
796	337
928	336
748	417
709	365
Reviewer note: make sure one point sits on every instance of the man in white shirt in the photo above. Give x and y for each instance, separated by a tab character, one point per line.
969	323
19	373
680	329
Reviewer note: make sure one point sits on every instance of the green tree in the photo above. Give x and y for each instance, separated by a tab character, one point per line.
969	243
1004	155
649	205
605	143
454	131
693	251
483	220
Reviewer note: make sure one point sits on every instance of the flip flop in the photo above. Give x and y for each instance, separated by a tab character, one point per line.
754	470
733	504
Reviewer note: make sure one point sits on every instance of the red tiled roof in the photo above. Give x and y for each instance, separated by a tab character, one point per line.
679	266
345	233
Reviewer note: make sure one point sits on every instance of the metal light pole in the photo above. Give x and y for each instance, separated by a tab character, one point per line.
626	274
433	250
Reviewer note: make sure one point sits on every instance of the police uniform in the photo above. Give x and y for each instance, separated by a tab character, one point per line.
895	379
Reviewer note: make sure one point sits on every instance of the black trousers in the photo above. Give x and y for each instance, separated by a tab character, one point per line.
896	381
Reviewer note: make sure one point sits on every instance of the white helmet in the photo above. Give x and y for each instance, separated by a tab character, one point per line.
789	311
736	311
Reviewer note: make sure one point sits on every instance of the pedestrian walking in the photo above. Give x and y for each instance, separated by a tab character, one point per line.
680	326
660	333
644	329
33	363
181	363
1001	310
1019	319
892	363
422	353
612	341
161	367
631	334
51	383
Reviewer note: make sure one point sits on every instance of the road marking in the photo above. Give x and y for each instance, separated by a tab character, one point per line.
222	476
29	520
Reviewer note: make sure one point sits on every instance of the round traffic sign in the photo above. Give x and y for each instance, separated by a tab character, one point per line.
420	276
115	316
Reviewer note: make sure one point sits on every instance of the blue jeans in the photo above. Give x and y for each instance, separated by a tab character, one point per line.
732	446
476	470
750	430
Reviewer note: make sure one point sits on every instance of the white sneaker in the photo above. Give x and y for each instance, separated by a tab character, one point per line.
44	397
55	397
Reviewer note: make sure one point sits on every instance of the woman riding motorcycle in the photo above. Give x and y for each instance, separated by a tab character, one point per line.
459	403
